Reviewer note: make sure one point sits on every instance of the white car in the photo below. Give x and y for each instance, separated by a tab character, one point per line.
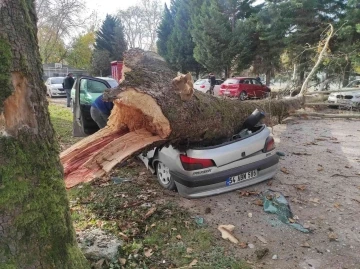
203	85
349	98
54	87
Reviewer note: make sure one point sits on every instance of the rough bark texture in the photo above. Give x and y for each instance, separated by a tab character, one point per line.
35	223
151	98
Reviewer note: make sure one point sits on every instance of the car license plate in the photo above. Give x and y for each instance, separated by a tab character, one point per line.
241	177
227	92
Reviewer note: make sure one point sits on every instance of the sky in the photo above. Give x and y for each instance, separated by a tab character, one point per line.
103	7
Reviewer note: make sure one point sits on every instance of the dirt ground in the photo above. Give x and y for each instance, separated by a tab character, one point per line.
321	181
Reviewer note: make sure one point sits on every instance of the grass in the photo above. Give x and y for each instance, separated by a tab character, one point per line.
61	118
141	214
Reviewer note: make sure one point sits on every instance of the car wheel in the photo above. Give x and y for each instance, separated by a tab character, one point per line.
164	177
242	96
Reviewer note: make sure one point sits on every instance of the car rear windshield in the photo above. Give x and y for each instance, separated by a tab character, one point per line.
231	81
57	80
200	82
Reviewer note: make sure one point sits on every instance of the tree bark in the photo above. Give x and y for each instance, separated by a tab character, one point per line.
153	109
35	223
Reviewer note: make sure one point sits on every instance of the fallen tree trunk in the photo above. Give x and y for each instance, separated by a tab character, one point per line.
151	108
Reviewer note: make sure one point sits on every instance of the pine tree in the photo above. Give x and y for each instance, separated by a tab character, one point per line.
111	38
215	46
164	32
180	45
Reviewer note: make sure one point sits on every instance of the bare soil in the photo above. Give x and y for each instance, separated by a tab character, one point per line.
321	179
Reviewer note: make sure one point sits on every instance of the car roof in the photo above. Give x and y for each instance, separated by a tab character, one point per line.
241	78
105	78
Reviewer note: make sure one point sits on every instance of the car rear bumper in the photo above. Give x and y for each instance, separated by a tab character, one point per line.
212	184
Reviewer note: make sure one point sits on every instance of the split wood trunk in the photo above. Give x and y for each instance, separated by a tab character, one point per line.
154	107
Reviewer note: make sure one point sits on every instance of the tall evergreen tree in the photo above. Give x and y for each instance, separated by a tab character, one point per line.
164	32
215	46
180	45
111	38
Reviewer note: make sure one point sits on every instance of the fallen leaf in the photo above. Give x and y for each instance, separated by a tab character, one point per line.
259	202
261	239
148	252
332	236
300	187
226	233
348	166
320	169
337	205
146	228
284	170
187	224
124	236
305	245
153	225
150	212
189	250
243	245
295	217
250	215
248	193
122	261
291	220
173	229
314	200
178	237
269	183
142	173
193	263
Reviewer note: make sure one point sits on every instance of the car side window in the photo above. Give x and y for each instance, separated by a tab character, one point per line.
246	81
256	82
90	90
96	86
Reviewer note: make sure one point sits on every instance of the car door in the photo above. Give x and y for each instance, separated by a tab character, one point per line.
248	87
258	88
87	89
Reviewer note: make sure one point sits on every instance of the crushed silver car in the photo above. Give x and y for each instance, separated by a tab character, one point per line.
247	159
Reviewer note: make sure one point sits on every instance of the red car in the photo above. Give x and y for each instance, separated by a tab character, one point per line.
243	88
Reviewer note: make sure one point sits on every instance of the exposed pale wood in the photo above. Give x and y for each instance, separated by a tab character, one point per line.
337	91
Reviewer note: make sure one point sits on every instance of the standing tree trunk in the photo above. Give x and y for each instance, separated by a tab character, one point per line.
35	223
346	72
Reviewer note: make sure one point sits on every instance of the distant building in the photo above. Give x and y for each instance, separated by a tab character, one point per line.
61	70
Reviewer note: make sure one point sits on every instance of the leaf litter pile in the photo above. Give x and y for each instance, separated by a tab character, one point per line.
155	232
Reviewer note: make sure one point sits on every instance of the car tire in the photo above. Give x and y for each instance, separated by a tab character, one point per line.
243	96
163	176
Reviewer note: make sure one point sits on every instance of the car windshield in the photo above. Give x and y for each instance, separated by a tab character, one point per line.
354	84
200	82
56	80
231	81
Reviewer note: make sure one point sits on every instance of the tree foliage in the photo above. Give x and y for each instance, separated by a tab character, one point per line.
80	53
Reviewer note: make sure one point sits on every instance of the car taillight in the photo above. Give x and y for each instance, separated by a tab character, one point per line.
269	144
222	86
190	164
202	86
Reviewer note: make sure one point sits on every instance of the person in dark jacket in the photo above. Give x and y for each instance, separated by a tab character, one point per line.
212	82
67	85
100	111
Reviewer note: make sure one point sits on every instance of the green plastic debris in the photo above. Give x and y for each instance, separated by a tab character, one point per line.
199	220
276	203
